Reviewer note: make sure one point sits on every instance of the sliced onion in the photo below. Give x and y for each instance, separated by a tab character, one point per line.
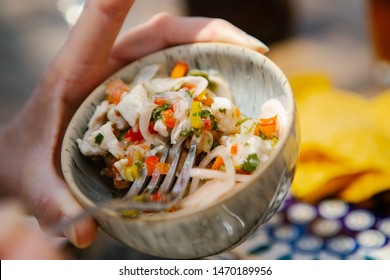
229	178
205	173
144	119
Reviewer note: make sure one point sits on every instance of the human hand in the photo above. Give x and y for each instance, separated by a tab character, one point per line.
21	238
30	143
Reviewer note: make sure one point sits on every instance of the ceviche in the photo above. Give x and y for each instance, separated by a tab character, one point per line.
159	108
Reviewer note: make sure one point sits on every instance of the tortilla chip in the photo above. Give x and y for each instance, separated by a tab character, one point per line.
316	180
344	142
366	186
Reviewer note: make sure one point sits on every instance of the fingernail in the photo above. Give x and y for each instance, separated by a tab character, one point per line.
242	38
70	234
258	45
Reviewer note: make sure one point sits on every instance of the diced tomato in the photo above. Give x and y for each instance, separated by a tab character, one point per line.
169	118
207	123
134	136
151	162
151	128
159	101
156	196
114	91
180	70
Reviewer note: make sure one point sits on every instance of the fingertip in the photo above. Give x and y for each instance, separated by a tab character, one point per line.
82	234
86	233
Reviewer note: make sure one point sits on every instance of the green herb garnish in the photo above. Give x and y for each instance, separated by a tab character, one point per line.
222	110
240	122
250	163
99	138
157	112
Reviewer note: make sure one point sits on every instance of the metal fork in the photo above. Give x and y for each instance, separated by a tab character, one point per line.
171	190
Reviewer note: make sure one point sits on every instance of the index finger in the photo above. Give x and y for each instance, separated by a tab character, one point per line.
95	31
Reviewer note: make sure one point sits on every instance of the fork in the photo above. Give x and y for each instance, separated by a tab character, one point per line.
171	191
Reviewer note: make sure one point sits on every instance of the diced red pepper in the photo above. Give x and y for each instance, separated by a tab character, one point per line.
207	123
159	101
156	196
114	91
134	136
169	118
151	162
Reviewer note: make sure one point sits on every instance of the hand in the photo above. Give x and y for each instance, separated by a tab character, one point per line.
21	238
30	143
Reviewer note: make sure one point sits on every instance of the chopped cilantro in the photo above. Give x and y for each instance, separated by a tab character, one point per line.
222	110
185	132
262	136
250	163
240	122
99	138
156	114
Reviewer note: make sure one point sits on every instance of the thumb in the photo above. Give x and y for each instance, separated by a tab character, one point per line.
50	201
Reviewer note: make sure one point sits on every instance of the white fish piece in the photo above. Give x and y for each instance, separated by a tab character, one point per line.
224	112
159	85
99	116
109	143
247	145
88	147
120	166
248	127
161	128
116	119
131	104
110	140
274	107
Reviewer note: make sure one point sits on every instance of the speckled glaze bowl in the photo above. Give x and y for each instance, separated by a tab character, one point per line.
196	233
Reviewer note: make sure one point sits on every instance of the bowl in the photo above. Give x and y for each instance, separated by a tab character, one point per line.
223	224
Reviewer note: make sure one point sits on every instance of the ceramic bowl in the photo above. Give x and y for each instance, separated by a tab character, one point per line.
196	233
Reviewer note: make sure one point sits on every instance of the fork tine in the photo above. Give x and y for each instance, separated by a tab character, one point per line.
171	196
140	182
175	156
181	186
156	178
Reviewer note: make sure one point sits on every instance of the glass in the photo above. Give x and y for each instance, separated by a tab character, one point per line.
380	26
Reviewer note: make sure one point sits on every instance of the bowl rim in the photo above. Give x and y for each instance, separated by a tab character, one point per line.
204	46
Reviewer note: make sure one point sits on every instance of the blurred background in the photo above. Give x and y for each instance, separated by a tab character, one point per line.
331	36
319	40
